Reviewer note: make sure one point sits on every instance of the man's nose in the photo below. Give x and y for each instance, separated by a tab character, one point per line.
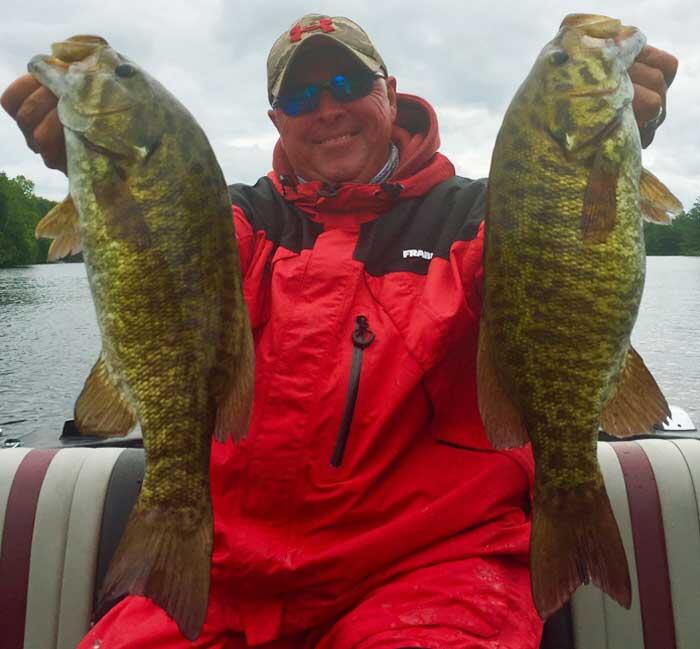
329	107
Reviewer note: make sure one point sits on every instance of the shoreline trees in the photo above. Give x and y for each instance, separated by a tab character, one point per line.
21	210
682	237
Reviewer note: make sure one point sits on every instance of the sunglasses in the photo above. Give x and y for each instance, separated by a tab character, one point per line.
343	87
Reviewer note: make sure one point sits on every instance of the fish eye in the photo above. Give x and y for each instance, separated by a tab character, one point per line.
559	57
125	70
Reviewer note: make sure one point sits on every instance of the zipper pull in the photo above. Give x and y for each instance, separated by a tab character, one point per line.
363	336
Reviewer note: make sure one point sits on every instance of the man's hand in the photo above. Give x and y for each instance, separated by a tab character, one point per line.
33	107
651	74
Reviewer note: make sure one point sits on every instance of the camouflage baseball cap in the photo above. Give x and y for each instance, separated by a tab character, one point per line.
317	28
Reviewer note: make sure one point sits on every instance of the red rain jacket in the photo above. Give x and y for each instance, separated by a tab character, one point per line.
366	457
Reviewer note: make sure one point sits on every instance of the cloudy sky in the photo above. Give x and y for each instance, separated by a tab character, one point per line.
466	58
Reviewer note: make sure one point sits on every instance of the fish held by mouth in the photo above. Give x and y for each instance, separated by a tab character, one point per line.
149	208
564	266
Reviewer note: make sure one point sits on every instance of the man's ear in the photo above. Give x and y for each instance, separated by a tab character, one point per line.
391	93
272	114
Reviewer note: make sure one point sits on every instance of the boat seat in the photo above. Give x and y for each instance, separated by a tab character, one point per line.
654	489
62	513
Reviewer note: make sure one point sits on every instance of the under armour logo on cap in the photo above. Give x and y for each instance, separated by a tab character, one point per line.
325	24
319	28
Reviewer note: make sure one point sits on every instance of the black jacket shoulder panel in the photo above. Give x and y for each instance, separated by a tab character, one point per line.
266	210
416	230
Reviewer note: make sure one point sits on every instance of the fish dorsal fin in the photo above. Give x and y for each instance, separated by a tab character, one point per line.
599	211
61	224
502	420
234	406
657	203
101	409
636	403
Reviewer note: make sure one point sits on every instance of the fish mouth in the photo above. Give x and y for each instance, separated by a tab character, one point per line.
50	72
77	48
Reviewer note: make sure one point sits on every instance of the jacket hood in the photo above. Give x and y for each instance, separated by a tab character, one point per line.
415	133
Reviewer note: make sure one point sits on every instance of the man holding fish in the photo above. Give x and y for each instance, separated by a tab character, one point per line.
367	507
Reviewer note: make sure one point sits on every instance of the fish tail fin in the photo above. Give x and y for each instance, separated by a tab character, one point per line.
575	540
165	555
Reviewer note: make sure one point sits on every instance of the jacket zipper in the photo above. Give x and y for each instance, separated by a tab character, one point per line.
362	338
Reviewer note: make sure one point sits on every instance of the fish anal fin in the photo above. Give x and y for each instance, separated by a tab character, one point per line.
101	409
502	420
599	210
62	225
234	406
657	203
165	555
636	403
575	540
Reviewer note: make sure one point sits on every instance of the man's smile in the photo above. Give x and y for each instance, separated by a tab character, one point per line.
332	140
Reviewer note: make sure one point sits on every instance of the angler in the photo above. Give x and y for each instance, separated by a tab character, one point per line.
366	508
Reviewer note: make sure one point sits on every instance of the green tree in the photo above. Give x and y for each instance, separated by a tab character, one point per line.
691	231
681	237
20	211
25	185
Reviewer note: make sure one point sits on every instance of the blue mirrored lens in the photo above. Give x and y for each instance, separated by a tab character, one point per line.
343	88
300	102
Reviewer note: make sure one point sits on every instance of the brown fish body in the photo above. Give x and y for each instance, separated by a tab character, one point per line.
564	272
155	226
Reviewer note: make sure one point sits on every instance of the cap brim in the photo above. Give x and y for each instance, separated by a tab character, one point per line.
315	39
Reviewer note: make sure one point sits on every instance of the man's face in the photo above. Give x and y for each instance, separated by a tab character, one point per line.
338	142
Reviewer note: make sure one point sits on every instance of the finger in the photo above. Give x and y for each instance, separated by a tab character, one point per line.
646	104
34	108
656	58
58	162
50	142
17	92
651	78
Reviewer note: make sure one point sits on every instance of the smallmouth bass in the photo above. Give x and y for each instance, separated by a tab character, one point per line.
564	265
150	210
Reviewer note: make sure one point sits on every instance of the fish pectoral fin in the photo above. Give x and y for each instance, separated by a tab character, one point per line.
234	406
101	409
61	224
599	211
637	403
657	203
502	420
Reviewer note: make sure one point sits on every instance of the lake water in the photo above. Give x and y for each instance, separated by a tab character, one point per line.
49	341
